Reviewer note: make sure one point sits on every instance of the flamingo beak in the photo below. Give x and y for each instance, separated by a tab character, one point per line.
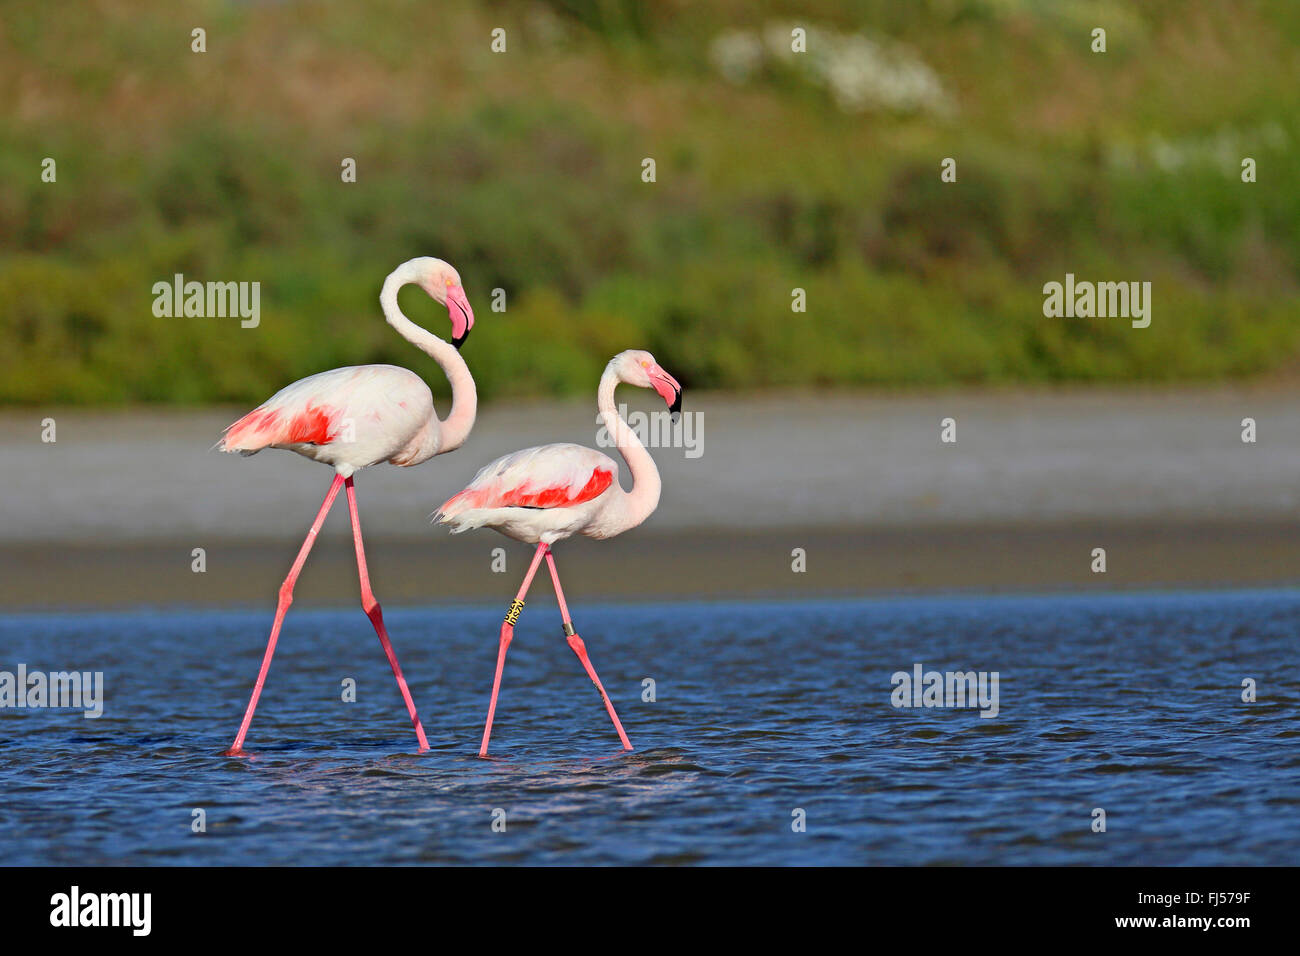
668	388
462	316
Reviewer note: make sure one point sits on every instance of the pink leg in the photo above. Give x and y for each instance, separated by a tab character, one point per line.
508	632
376	615
580	649
282	606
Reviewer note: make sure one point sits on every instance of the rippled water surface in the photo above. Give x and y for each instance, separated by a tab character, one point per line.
1128	703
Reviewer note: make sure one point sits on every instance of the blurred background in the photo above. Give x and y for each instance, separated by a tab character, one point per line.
774	171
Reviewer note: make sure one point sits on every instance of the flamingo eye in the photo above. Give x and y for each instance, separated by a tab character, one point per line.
645	364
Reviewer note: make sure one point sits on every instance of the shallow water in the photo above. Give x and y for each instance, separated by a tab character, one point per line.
1129	703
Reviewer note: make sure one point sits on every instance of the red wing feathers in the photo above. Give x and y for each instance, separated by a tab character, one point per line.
528	495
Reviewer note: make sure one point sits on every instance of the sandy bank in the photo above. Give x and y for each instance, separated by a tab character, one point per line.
114	507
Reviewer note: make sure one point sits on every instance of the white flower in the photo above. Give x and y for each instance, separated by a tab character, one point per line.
859	72
737	55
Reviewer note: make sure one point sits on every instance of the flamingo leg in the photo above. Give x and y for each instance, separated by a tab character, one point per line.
507	633
376	614
579	648
282	606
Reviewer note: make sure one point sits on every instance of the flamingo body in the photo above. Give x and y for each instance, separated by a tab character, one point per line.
542	494
354	417
348	418
545	494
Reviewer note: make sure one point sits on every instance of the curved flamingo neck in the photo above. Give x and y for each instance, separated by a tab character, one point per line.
456	426
642	500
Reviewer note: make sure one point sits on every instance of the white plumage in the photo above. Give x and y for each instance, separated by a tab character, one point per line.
547	493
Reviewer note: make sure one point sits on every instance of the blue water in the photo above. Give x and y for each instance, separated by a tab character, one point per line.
1127	703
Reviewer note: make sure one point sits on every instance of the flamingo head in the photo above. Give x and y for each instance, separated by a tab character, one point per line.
443	284
637	367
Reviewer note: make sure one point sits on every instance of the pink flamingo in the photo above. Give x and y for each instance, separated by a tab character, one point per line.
545	494
350	418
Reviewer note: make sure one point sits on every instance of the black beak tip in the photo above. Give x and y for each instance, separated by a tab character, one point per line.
469	325
675	409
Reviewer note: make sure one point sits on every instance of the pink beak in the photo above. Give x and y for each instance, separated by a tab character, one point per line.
462	316
668	389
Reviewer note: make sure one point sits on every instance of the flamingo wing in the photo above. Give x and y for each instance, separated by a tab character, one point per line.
548	476
315	410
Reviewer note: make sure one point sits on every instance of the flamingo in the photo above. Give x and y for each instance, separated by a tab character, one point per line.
351	418
545	494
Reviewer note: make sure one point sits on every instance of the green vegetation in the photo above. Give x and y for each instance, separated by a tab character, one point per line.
524	170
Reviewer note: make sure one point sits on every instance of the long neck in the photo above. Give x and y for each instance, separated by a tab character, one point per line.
644	496
456	426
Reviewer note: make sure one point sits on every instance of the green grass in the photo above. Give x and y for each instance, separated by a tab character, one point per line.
523	170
